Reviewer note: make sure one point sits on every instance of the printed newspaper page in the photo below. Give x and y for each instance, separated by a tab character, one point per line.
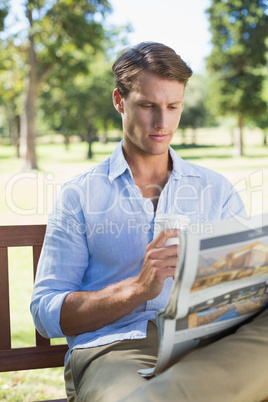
221	282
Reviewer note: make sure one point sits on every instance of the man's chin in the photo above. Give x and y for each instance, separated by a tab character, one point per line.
161	149
155	149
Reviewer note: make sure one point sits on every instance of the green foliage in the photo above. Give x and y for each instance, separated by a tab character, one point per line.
12	73
239	29
60	38
195	113
62	30
4	8
261	120
57	47
12	64
81	105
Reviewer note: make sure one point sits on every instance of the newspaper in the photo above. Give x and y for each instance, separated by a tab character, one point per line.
221	280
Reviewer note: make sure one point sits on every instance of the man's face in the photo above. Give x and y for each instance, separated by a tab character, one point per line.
150	114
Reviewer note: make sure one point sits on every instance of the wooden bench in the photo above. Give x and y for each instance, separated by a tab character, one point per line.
42	355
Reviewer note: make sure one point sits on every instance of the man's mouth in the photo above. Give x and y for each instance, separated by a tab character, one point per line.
159	137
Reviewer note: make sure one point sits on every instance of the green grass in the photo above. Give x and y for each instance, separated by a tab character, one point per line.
26	197
32	385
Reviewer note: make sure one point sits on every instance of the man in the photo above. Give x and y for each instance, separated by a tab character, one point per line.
102	277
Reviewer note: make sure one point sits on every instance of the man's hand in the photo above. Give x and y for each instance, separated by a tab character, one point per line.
84	311
159	263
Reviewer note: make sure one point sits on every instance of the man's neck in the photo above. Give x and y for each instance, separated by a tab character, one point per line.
149	166
150	172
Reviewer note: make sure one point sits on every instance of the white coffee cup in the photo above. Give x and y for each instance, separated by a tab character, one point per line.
170	221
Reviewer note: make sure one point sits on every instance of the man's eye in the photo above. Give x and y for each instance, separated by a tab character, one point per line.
173	107
146	106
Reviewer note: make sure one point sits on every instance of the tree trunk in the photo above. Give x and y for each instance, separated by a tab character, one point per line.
89	152
265	135
15	135
238	138
91	136
67	142
28	131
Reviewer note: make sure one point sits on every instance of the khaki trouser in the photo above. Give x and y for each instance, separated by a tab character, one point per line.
108	373
232	369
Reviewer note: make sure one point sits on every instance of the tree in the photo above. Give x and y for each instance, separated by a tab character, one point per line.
59	34
239	29
11	87
195	114
4	9
81	105
261	121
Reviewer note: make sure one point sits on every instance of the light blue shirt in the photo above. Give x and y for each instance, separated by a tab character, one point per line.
98	231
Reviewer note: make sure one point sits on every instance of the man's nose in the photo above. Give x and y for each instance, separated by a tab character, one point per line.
160	119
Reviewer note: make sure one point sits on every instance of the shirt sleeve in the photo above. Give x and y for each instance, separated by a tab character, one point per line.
63	261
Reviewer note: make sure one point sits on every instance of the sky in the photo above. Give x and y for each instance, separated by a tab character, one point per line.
180	24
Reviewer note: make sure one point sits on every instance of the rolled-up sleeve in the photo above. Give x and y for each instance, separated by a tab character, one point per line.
63	261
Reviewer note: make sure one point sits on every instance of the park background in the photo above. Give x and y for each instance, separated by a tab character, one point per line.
57	118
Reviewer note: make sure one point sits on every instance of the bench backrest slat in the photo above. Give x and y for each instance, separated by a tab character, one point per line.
5	341
43	354
22	235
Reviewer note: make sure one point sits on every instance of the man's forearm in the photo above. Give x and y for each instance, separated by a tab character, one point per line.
86	311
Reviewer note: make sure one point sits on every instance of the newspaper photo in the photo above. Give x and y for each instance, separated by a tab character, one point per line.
221	280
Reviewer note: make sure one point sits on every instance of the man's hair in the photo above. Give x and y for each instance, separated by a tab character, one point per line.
152	57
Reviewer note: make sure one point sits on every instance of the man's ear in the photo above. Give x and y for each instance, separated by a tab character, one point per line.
118	101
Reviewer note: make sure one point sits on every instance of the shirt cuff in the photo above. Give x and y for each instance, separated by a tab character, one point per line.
46	314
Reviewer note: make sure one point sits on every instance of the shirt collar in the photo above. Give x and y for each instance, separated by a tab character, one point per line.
181	168
118	164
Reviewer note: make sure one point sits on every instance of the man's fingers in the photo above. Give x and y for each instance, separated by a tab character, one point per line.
171	263
163	253
170	272
163	236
